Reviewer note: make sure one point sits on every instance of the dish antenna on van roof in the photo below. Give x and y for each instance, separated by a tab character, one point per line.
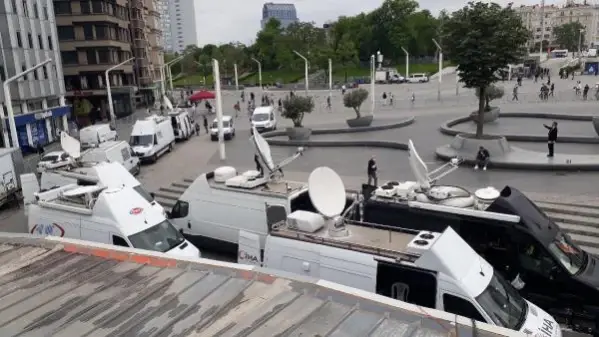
327	193
70	145
420	170
167	103
265	154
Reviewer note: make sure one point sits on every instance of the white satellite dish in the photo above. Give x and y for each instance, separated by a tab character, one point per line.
167	103
419	168
70	145
327	192
263	149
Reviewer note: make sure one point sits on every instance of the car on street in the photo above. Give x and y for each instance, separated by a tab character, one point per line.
53	160
418	78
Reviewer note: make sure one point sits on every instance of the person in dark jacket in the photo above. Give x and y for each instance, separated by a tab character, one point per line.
372	177
259	167
551	137
482	158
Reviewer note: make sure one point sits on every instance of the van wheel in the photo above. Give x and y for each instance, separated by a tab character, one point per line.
155	158
171	147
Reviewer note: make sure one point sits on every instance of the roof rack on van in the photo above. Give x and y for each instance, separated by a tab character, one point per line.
71	198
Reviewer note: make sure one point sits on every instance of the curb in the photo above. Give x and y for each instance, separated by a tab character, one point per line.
341	143
446	128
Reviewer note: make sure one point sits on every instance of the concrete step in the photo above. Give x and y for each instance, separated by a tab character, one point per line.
585	241
579	229
181	185
172	189
188	180
167	195
574	219
579	209
166	203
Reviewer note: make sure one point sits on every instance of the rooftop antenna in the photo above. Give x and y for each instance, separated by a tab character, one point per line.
420	170
327	193
263	148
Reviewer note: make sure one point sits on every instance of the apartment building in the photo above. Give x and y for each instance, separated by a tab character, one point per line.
285	13
179	23
28	38
541	21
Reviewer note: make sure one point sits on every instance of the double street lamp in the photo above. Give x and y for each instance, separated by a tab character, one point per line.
259	72
109	91
167	66
306	66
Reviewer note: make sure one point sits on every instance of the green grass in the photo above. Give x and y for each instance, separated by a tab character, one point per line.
283	76
195	80
430	68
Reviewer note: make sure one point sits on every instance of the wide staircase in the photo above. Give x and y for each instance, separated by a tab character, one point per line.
581	222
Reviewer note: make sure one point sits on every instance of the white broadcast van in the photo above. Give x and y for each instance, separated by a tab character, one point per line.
151	137
96	134
118	216
228	128
264	118
182	126
435	270
114	152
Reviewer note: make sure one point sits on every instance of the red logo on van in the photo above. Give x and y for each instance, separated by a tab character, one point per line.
136	210
48	229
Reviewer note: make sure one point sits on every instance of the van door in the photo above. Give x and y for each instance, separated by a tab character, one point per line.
92	232
458	305
127	159
249	249
407	284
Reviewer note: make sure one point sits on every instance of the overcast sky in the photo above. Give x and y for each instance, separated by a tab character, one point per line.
223	21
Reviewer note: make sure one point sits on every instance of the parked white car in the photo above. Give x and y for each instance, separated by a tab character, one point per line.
53	160
228	128
418	78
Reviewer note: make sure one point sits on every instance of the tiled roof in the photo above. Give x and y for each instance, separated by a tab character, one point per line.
58	287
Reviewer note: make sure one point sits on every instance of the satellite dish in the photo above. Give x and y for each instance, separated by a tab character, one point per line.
419	168
326	191
167	103
70	145
263	149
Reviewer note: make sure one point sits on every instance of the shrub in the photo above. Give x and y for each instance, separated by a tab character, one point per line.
492	92
354	100
295	107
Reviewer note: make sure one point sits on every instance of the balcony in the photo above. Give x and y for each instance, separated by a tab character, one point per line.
75	69
85	18
72	45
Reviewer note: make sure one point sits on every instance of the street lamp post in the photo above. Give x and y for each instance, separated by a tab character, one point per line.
162	73
407	62
580	31
372	73
8	100
330	79
109	90
259	72
440	68
305	70
236	77
219	109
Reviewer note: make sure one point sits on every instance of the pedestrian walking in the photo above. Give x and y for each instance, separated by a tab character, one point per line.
40	149
585	91
391	99
515	93
551	137
329	103
372	169
551	89
205	124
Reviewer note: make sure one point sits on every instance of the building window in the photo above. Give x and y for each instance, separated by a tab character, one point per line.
40	41
35	75
19	40
50	45
45	71
45	10
97	7
66	33
69	57
23	68
62	7
91	57
25	12
30	39
14	6
2	74
102	32
103	56
88	31
85	8
36	13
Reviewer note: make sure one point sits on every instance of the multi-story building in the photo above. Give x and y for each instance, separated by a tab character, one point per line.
541	21
285	13
165	25
28	38
180	21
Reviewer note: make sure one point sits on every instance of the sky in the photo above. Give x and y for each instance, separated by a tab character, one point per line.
224	21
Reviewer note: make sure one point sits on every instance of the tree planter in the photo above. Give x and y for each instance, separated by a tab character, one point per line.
596	124
359	122
488	116
300	133
467	145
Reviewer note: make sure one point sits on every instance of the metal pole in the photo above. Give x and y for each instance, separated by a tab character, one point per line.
109	90
407	62
163	76
440	69
8	100
372	88
580	31
330	79
259	72
305	70
236	77
219	109
457	82
170	77
542	30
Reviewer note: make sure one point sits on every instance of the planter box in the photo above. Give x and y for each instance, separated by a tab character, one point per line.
468	146
298	133
489	116
361	122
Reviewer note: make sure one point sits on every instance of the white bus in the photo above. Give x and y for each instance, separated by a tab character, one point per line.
559	53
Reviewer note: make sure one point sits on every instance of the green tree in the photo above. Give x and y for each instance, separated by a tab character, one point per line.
296	107
569	35
354	100
483	38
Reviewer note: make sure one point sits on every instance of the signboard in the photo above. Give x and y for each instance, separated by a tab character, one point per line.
43	115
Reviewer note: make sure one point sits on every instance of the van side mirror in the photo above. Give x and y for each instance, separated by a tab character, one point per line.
168	214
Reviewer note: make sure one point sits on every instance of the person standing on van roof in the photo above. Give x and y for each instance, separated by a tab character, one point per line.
551	137
372	177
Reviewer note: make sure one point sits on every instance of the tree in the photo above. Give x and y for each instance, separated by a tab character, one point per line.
483	38
493	92
354	100
569	35
295	107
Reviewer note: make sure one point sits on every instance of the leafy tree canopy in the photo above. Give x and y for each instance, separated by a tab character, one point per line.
569	35
354	100
295	107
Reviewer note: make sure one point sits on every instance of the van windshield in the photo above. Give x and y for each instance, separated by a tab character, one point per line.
503	303
161	238
568	254
141	140
260	117
141	191
215	124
